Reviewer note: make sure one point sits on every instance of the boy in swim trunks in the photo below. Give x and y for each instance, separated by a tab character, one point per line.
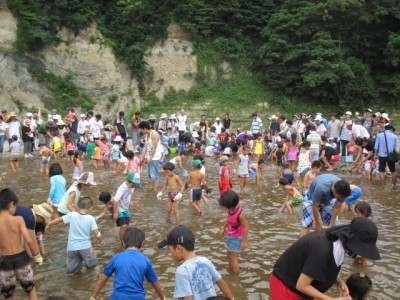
14	157
316	167
196	178
256	171
293	196
15	263
172	182
45	155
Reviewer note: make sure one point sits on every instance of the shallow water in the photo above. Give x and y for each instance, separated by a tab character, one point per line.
270	233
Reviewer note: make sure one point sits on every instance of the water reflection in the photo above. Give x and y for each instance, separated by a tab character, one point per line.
270	233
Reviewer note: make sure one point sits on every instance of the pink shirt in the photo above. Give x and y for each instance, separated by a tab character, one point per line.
234	226
133	165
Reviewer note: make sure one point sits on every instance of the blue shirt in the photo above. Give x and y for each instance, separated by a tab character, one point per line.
256	125
320	188
79	230
57	188
130	268
196	278
380	143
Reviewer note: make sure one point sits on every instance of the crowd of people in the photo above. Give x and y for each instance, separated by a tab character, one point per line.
301	147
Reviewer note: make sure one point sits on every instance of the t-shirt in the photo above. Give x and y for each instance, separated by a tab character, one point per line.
329	152
314	138
81	225
359	131
14	148
90	149
62	207
196	278
123	197
182	122
311	255
130	268
256	125
333	126
368	124
57	188
371	144
73	127
320	188
95	127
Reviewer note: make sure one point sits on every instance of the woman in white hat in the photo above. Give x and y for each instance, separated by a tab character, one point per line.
172	131
163	123
218	125
152	121
71	197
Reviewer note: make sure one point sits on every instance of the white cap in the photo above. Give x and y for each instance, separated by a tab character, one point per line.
83	116
273	117
385	116
118	139
318	118
29	115
217	119
163	116
348	113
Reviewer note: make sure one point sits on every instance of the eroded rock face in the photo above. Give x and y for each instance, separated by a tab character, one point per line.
97	71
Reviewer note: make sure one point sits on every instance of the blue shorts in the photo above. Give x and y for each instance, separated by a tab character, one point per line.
324	210
252	173
304	172
196	194
123	218
233	243
289	177
152	169
314	154
355	194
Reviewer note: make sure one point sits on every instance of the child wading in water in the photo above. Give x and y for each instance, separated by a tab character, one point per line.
242	168
359	286
172	183
225	180
78	166
363	210
304	160
105	198
196	178
236	228
79	247
45	155
293	196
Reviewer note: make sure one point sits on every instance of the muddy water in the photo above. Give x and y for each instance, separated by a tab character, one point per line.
271	232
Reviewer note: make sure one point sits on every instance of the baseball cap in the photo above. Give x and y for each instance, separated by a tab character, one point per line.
179	235
385	115
318	118
137	113
389	126
217	119
83	116
134	178
349	123
368	110
14	137
223	158
362	237
348	113
86	178
44	210
29	115
197	163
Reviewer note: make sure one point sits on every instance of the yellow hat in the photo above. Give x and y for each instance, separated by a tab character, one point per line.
44	210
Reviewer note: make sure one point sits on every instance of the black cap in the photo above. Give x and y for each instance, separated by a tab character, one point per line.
368	110
137	113
389	126
179	235
254	114
4	111
363	234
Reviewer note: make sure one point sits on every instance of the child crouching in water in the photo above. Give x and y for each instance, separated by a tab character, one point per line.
359	286
79	247
293	196
236	228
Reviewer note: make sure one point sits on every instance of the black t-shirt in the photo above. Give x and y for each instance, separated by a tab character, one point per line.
73	127
311	255
120	123
371	144
227	123
329	152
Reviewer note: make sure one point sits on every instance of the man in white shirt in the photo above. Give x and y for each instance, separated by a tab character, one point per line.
182	122
12	126
357	130
218	125
96	127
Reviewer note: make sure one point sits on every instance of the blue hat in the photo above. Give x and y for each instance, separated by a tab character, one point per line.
14	137
134	178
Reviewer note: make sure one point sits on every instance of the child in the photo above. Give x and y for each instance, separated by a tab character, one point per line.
14	261
27	138
293	196
172	183
279	155
97	155
196	178
132	163
106	150
57	146
69	146
225	180
164	140
256	171
130	267
359	286
14	149
363	210
259	146
316	167
178	162
78	166
45	155
195	271
90	148
288	174
304	160
293	150
116	152
351	200
105	197
122	202
236	228
57	187
79	247
204	185
71	197
242	168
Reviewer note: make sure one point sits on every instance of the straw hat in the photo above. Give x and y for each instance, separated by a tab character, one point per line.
44	210
12	114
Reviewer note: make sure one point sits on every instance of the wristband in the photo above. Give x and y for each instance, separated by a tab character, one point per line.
98	235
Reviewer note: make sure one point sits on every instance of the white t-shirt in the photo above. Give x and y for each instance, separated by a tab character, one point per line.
123	197
13	128
81	226
218	127
182	122
82	124
359	131
95	128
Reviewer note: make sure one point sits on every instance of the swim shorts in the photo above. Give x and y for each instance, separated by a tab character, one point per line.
171	196
75	258
44	160
196	194
123	218
295	201
12	268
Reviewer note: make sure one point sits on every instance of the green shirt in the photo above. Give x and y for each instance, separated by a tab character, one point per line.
90	149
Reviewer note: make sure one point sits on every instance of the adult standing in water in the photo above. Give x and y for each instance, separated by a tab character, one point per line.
135	121
308	268
151	153
182	122
227	121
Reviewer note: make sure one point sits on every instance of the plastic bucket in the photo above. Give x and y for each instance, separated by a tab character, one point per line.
172	150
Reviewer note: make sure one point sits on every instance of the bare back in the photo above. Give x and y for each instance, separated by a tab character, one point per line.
11	230
196	179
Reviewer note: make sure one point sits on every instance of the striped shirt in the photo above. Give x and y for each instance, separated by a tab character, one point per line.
333	126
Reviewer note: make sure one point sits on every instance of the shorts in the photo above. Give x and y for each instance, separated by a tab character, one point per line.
289	177
295	201
314	154
75	258
171	196
223	187
196	194
383	161
233	243
334	158
14	158
152	169
44	160
106	157
279	290
123	218
252	173
324	210
71	152
243	175
15	268
304	172
355	194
